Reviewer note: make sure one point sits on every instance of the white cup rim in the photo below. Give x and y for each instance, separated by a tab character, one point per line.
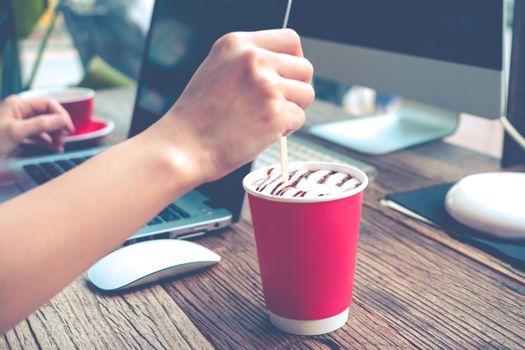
82	94
359	174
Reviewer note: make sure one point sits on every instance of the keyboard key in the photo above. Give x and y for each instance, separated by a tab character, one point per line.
80	160
37	173
169	214
43	172
66	164
300	149
179	211
51	169
156	220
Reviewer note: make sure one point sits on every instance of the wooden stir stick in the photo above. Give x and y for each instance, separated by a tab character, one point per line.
284	144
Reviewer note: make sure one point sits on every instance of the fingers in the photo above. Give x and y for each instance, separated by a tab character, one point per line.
41	124
44	137
54	141
301	94
23	108
295	117
264	52
281	73
58	140
50	106
30	108
290	67
285	41
296	71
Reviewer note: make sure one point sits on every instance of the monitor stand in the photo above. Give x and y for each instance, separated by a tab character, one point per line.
411	124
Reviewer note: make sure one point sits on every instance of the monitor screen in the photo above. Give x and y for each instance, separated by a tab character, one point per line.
446	53
182	32
460	31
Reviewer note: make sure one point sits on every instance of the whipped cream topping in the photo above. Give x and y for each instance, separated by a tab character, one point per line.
305	183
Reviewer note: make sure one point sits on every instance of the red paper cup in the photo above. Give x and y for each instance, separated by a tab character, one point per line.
78	102
307	252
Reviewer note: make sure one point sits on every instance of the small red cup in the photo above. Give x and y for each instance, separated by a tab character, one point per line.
78	102
307	252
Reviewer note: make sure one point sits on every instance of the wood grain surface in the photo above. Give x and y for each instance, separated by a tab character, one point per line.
81	318
415	286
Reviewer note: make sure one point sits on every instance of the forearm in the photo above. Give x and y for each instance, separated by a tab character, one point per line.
53	233
250	90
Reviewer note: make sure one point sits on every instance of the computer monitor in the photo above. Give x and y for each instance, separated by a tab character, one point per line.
443	57
513	149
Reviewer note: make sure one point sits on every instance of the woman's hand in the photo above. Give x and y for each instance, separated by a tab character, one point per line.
43	122
251	90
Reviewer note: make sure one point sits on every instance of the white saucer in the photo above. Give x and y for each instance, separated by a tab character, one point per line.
99	128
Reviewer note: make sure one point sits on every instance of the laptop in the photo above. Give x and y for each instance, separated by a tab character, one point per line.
181	35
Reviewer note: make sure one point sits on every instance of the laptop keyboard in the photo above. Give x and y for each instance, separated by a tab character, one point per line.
45	171
300	149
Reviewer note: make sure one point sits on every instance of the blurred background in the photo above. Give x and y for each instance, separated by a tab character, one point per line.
99	44
94	43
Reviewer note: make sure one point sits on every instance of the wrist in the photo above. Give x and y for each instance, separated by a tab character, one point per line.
170	161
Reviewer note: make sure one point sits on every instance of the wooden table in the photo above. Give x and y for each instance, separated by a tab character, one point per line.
415	287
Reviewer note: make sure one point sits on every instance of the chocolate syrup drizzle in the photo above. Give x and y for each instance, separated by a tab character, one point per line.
280	188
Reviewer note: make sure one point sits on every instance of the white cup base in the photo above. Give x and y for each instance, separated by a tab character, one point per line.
309	327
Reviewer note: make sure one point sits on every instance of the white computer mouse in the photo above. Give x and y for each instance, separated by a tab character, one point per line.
490	202
147	262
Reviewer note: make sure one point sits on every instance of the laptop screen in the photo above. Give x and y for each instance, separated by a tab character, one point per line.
181	35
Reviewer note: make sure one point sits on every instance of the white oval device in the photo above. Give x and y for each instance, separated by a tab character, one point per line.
147	262
490	202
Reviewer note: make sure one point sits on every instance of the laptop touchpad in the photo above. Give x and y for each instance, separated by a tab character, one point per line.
9	190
